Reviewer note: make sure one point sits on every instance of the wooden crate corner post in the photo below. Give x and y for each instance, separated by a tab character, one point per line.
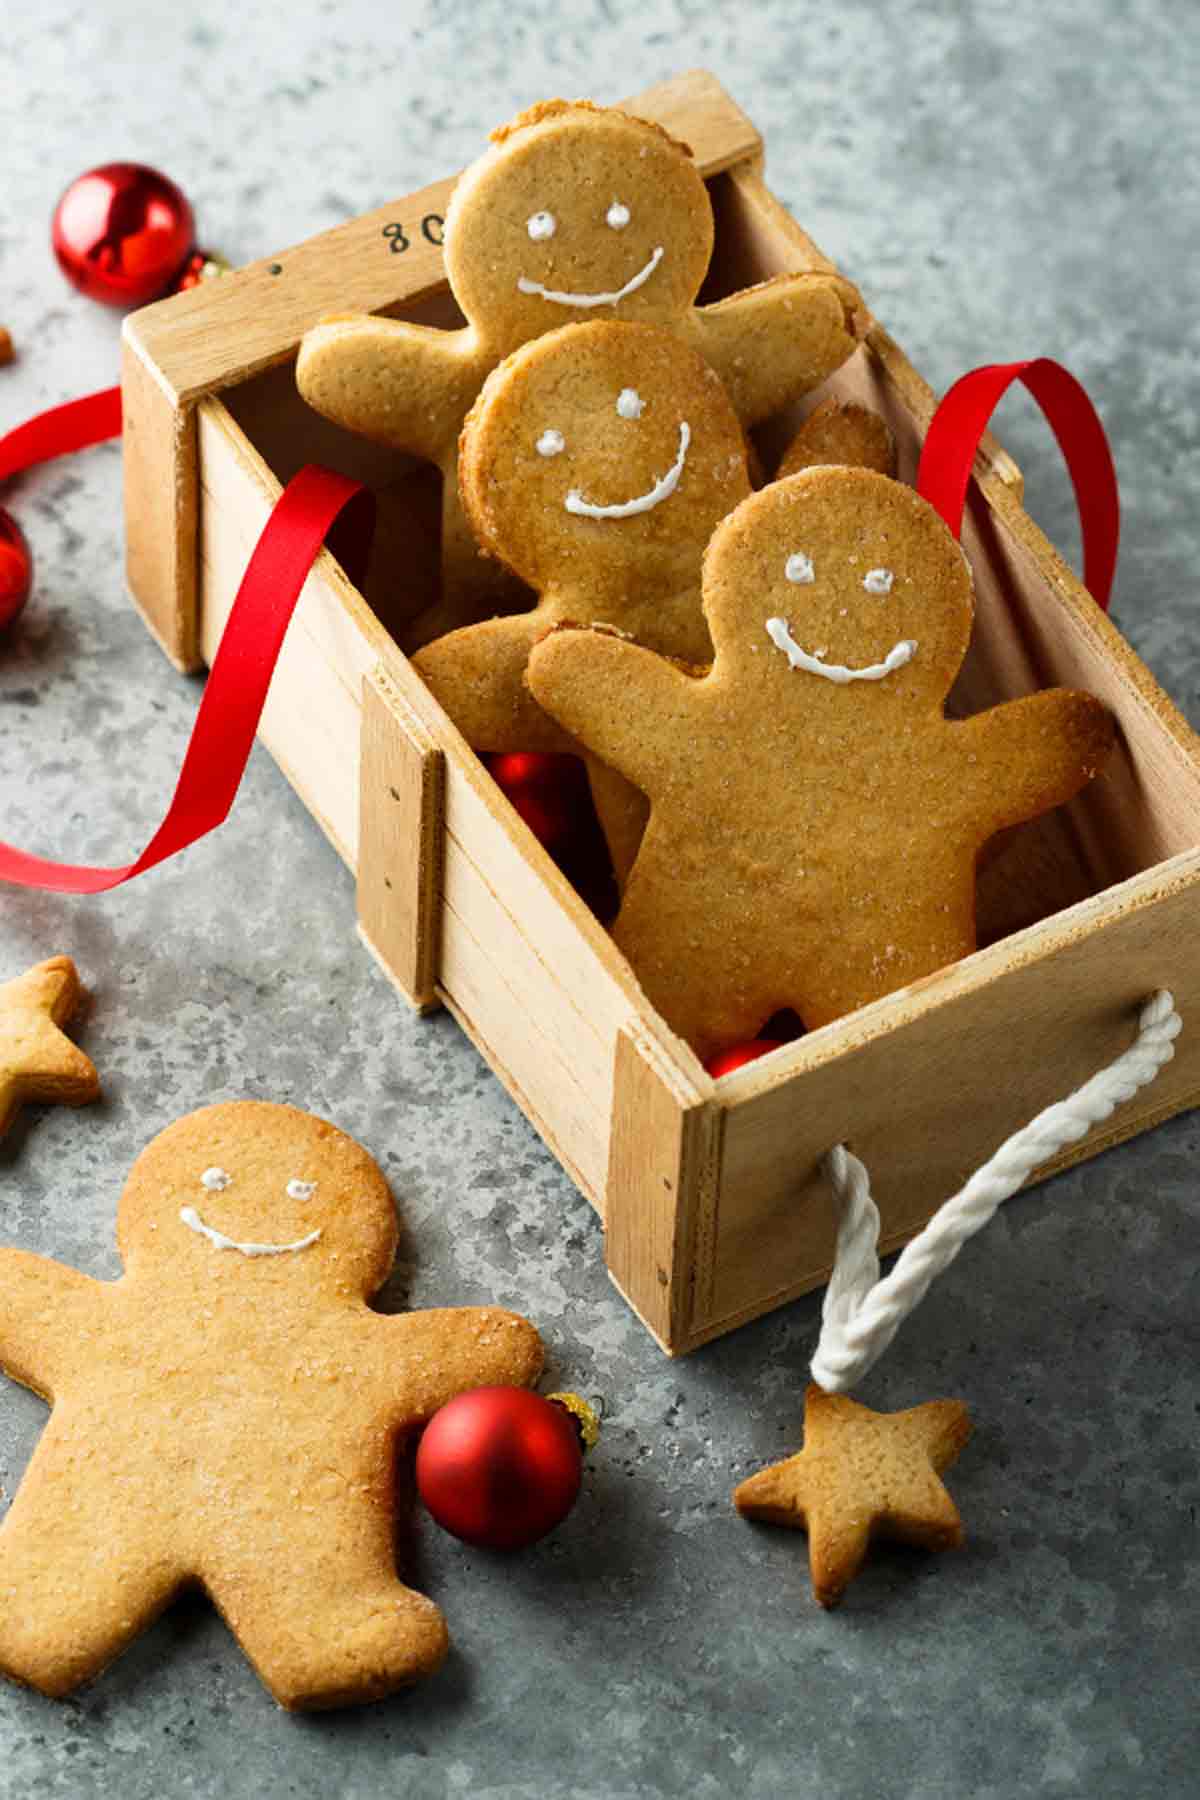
401	825
162	498
661	1196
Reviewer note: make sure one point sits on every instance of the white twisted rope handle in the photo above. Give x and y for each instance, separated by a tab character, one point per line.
862	1314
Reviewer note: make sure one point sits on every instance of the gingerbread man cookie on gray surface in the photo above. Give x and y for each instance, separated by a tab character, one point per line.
576	212
226	1415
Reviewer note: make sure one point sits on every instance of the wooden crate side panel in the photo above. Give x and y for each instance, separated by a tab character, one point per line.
158	461
927	1093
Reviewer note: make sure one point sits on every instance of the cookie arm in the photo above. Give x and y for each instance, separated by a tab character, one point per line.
778	340
423	1359
44	1308
401	384
1021	759
605	691
478	675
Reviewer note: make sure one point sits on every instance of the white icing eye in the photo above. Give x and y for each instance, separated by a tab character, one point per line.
551	443
215	1179
630	403
541	225
798	568
301	1190
617	215
878	581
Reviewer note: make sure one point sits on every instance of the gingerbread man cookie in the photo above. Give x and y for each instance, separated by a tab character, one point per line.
226	1414
596	464
576	211
37	1060
815	818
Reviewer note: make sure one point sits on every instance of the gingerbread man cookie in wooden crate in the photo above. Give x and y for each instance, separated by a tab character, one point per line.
576	210
815	818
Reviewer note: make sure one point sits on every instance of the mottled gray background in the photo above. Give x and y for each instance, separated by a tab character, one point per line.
1002	181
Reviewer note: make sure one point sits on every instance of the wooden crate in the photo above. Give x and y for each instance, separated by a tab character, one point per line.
714	1205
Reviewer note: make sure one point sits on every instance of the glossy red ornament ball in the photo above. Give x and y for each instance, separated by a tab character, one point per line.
499	1467
122	233
726	1061
549	791
16	568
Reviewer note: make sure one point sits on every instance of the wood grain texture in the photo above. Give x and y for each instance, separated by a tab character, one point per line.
159	471
662	1185
401	810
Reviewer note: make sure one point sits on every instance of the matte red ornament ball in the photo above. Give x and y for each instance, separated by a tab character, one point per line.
726	1061
499	1467
122	233
16	568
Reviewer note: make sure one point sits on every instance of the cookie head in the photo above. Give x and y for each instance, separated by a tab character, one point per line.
600	454
840	579
251	1190
577	211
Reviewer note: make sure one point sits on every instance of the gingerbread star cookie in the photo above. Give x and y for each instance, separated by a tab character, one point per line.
37	1060
576	212
226	1415
862	1475
815	818
596	464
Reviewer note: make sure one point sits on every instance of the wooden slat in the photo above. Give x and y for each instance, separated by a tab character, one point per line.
662	1180
400	841
158	454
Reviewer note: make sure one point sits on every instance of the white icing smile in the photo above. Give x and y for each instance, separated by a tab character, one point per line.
560	299
780	635
663	488
219	1241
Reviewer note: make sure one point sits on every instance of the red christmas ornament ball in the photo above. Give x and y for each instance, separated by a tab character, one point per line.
548	790
499	1467
726	1061
121	233
16	568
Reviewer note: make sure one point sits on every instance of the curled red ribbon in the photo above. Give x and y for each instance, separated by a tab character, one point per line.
236	689
961	420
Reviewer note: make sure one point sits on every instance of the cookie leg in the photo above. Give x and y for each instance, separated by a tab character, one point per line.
321	1633
79	1578
622	810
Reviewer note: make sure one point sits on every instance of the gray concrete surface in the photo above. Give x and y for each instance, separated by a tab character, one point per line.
1002	181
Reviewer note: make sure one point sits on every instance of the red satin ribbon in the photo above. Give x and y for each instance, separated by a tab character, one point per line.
61	430
241	673
960	421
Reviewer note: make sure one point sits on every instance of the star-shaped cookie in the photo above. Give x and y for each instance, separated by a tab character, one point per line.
860	1475
37	1061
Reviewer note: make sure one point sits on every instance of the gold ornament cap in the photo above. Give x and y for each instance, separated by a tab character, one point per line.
587	1422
